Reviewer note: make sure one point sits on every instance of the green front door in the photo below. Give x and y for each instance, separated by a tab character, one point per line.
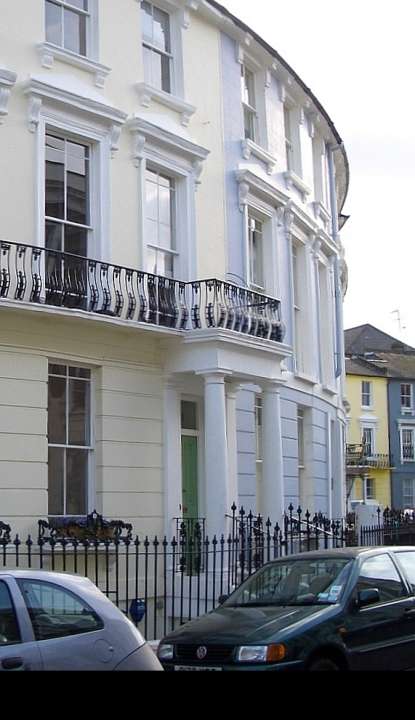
190	477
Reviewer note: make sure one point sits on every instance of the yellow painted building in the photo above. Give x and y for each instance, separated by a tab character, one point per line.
368	454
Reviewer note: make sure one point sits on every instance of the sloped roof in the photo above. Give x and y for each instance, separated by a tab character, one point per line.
359	366
367	338
399	365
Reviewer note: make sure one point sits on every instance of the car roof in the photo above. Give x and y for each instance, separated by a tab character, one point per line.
350	552
67	578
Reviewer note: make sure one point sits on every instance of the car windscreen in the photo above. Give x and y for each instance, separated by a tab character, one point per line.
295	582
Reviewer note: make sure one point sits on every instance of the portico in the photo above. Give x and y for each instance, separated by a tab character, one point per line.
213	366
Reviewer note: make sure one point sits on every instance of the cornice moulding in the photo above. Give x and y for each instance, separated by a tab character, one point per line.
258	186
49	53
148	94
146	131
38	90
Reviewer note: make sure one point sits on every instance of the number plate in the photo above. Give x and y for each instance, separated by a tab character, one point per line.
196	668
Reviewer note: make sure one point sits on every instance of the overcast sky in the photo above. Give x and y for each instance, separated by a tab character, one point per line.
358	59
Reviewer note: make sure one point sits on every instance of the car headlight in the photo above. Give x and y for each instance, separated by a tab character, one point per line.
166	652
261	653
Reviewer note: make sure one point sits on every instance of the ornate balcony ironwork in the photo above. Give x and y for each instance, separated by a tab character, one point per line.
43	276
359	459
92	528
217	304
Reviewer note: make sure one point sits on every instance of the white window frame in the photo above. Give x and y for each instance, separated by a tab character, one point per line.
172	252
91	481
247	107
183	162
90	16
157	50
362	394
372	430
407	429
256	217
175	13
407	410
405	494
54	109
370	488
49	52
59	221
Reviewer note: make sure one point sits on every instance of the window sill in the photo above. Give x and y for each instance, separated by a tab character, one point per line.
329	389
305	378
250	148
292	180
49	53
148	94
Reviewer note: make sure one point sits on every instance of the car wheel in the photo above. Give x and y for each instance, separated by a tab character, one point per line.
323	665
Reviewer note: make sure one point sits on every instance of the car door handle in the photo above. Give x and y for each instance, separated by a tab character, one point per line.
410	612
12	663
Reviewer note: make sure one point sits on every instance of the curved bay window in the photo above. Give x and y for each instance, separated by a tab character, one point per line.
67	220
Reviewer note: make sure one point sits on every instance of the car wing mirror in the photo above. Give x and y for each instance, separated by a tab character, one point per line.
367	597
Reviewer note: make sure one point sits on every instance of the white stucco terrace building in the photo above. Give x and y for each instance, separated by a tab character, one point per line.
146	148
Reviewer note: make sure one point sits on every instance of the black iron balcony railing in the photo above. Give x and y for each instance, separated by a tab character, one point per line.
48	277
361	457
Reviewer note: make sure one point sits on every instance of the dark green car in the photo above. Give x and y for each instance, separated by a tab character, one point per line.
347	609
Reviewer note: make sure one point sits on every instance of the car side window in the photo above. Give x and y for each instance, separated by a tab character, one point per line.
56	612
9	628
407	560
380	573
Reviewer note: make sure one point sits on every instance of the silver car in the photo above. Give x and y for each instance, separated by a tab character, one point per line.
58	621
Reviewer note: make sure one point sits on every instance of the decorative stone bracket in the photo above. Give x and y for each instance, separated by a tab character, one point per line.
7	82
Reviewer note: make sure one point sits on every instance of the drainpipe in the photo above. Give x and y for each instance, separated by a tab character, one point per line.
335	235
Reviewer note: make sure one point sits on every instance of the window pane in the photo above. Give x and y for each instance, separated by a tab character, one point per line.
166	237
56	472
165	201
156	71
81	4
76	241
77	372
75	32
57	370
57	411
76	482
164	264
9	629
151	261
380	573
79	412
407	559
147	21
53	23
55	178
77	184
55	612
151	196
189	416
161	30
152	233
165	74
53	240
148	68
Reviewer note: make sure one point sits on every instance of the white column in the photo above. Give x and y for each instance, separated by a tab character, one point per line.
172	458
216	455
231	396
273	502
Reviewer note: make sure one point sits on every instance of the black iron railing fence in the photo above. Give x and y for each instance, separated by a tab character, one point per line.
393	527
176	579
48	277
360	456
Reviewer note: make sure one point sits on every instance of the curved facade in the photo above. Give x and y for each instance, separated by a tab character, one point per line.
171	270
